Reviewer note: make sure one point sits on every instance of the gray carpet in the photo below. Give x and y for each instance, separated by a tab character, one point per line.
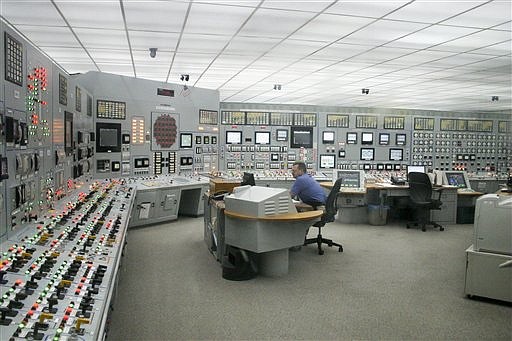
390	283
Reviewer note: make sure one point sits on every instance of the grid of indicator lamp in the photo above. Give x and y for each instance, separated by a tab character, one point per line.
63	90
13	60
137	130
111	109
208	117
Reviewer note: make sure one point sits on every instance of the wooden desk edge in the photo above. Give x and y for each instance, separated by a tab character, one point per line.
308	215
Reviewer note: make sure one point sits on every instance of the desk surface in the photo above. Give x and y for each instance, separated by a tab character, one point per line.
308	215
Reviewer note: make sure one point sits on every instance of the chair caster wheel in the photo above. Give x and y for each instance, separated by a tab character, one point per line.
441	229
423	229
340	249
320	252
408	226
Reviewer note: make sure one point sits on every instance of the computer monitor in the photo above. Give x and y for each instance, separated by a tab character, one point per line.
417	169
351	178
233	137
248	179
301	137
327	161
262	137
456	178
367	138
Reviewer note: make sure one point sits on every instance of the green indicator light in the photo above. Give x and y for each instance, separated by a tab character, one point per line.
11	290
59	330
39	301
5	296
21	325
43	295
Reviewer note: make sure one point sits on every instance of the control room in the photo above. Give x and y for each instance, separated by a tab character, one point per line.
255	170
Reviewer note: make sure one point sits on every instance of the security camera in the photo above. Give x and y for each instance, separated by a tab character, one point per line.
152	52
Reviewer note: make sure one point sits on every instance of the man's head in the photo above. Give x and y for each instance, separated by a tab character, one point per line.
298	168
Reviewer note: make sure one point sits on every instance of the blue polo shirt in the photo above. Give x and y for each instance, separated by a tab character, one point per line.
308	190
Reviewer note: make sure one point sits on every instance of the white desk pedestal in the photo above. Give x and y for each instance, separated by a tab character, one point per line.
273	263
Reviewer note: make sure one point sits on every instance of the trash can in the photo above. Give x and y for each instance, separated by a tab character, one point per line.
377	214
238	264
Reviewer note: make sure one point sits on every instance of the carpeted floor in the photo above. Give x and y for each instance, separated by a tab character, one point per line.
390	283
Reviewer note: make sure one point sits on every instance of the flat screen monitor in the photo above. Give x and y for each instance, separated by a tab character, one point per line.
327	161
109	137
301	137
396	154
400	139
367	154
185	140
233	137
351	138
416	169
457	179
367	138
383	139
328	137
282	135
262	137
351	178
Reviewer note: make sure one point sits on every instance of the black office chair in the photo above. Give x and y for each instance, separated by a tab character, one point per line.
420	193
327	217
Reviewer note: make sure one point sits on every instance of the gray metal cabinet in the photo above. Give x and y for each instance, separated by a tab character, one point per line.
448	212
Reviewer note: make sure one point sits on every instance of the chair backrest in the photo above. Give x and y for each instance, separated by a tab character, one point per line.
330	204
420	187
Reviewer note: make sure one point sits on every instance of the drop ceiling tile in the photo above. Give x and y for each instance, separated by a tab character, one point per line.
143	40
381	54
329	27
102	38
374	9
295	49
338	52
459	60
110	56
383	31
499	49
430	36
432	11
200	43
274	23
49	36
184	62
476	40
155	15
68	55
487	15
290	5
250	46
103	14
230	62
504	27
40	13
223	20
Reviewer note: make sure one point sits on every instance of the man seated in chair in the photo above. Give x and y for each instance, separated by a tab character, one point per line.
307	189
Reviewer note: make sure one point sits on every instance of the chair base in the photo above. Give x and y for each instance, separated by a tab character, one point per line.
319	241
423	225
